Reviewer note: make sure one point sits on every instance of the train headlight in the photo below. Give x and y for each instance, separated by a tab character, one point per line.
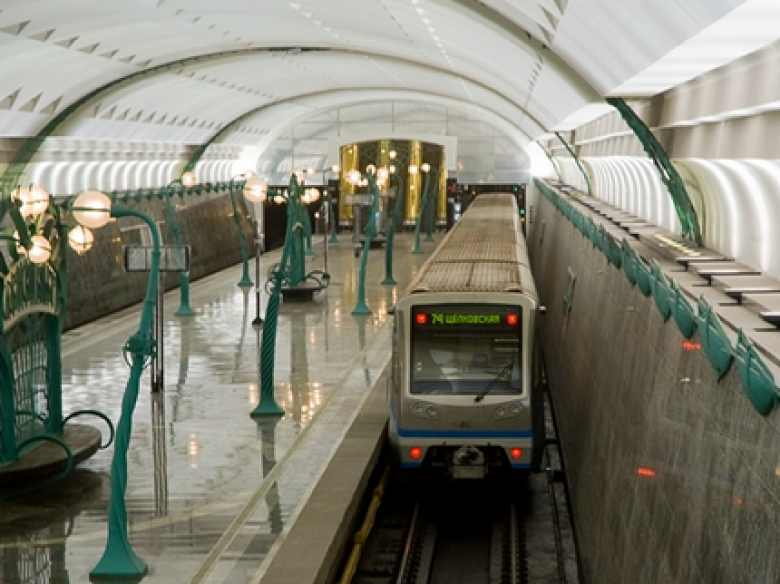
424	410
507	410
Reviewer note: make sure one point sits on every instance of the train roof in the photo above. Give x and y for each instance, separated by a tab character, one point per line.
484	252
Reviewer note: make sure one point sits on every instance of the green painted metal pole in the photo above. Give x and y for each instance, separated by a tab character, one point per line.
55	326
361	307
306	229
686	212
417	247
431	204
246	281
552	161
184	277
395	217
268	405
119	560
331	210
576	161
296	232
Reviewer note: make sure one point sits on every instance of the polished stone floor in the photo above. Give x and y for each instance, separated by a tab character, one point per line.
211	491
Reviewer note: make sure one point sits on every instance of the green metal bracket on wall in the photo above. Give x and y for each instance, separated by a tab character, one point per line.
686	212
682	311
757	380
662	292
714	340
577	161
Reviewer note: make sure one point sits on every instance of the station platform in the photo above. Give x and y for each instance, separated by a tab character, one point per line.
213	494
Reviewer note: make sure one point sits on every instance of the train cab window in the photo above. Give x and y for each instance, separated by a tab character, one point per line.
462	349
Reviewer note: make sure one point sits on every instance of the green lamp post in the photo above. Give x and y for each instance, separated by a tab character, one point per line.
430	197
93	209
395	217
370	180
292	245
425	167
256	191
246	281
290	272
335	169
187	180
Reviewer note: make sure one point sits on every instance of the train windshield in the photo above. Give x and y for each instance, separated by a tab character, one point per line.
466	349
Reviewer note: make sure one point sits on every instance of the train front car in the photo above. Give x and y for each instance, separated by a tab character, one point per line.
466	386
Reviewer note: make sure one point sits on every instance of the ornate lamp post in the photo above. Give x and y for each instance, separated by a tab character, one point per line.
293	245
395	217
430	197
425	167
186	180
335	169
246	281
256	191
93	209
369	180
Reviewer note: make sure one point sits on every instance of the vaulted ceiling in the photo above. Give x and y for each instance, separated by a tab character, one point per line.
188	71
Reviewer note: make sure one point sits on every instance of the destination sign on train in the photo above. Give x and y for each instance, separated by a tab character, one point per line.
440	318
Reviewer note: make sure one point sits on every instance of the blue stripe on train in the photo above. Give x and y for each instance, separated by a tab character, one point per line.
515	465
462	434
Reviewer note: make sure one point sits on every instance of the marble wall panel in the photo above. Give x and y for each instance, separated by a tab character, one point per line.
97	281
674	475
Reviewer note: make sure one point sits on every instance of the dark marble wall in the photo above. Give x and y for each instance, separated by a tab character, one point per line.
97	281
674	475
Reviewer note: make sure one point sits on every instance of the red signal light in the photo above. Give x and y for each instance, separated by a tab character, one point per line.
415	452
645	472
516	453
421	318
511	319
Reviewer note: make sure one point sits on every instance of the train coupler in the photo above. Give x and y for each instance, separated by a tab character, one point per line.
468	462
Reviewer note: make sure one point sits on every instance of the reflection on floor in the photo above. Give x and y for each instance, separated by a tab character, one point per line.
210	490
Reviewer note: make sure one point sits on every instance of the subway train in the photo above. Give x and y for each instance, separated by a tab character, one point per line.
465	391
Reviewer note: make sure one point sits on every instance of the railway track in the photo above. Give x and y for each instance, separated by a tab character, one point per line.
493	532
511	530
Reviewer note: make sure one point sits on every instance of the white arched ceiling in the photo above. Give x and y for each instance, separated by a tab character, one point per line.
324	121
629	183
546	55
739	199
742	202
177	74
